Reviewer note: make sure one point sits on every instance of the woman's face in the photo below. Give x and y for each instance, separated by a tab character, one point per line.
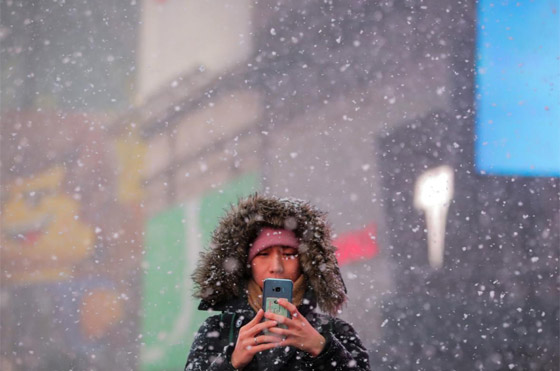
276	262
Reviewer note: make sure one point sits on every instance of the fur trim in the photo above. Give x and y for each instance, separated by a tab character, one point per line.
222	271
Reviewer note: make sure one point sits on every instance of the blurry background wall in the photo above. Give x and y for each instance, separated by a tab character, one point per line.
128	130
178	36
70	245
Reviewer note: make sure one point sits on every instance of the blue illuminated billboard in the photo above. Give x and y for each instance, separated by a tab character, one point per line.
518	88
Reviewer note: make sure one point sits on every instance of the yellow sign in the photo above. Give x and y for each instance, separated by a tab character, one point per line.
42	235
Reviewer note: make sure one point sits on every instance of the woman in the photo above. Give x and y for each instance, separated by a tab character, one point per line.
266	237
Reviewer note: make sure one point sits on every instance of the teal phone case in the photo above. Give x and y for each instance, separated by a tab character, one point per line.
274	289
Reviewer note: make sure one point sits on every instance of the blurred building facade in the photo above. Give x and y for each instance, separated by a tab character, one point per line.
346	105
70	250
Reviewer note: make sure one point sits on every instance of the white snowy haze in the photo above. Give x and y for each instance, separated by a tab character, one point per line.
129	127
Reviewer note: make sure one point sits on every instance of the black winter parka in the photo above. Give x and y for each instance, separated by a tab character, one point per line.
215	341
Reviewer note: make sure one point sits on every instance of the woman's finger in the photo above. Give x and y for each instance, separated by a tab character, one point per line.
278	318
280	331
257	341
256	320
289	306
260	327
263	339
253	349
258	317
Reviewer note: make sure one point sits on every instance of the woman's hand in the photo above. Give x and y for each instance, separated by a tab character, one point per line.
299	333
250	341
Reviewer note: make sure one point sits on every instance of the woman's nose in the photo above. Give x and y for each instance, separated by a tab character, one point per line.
277	264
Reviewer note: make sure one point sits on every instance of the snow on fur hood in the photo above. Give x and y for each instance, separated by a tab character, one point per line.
222	272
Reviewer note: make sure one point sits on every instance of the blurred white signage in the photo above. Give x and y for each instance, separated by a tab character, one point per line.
432	194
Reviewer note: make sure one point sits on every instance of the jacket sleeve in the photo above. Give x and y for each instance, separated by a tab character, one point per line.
343	350
210	349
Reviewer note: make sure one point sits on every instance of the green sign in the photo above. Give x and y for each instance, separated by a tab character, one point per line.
174	239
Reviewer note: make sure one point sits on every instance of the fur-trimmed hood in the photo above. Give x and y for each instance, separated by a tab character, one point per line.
222	272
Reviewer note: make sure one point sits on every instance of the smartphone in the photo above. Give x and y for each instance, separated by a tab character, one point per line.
274	289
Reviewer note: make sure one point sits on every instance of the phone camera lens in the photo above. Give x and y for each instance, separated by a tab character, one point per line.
277	289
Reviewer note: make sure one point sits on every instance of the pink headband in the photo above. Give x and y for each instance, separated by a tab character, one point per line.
273	237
